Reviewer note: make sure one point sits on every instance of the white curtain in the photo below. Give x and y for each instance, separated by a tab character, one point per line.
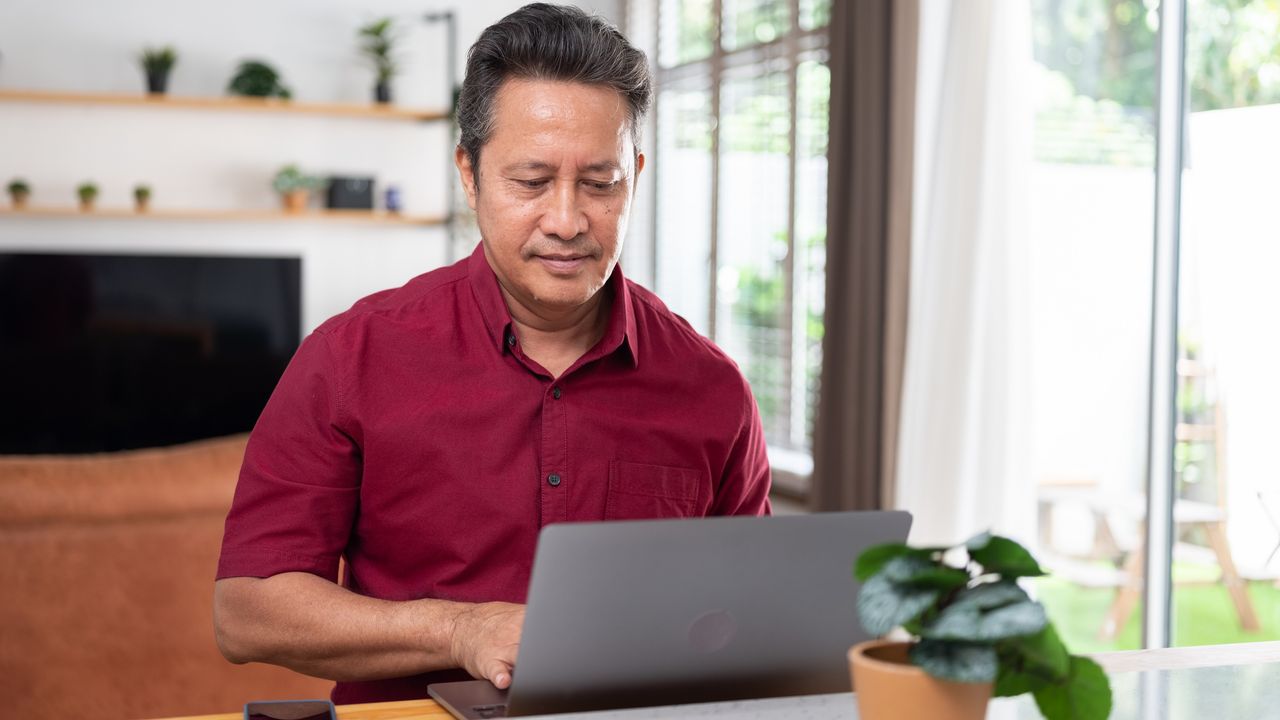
963	452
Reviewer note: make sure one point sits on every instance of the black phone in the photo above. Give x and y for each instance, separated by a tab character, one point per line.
290	710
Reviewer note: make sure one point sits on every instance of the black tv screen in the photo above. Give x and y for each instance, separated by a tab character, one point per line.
115	352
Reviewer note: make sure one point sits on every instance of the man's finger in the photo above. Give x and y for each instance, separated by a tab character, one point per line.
498	673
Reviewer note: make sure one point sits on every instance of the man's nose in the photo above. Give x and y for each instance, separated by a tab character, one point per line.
563	217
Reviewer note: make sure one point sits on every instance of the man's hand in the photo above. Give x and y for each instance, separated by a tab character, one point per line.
486	638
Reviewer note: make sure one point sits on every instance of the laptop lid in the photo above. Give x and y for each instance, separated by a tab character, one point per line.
662	612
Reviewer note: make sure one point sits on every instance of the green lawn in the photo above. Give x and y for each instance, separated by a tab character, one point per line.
1203	614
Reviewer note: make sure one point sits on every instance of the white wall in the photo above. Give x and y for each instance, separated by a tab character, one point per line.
226	160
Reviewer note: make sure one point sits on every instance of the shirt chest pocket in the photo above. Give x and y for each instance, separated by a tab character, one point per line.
638	491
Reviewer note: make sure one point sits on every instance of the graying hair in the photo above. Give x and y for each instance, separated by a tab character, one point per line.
548	42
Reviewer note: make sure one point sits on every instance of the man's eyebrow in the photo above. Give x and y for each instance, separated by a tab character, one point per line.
603	166
534	165
539	166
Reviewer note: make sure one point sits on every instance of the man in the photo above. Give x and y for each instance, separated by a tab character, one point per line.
428	433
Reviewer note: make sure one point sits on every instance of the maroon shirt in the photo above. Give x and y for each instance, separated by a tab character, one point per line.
412	436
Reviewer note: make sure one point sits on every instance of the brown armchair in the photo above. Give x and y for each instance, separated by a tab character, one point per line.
106	586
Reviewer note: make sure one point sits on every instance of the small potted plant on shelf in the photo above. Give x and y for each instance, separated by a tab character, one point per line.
377	41
295	188
156	63
255	78
88	193
976	634
19	191
142	197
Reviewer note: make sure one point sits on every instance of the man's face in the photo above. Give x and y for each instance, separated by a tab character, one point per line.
553	190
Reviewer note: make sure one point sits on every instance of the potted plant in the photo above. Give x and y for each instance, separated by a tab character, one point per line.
257	79
19	191
156	63
295	187
976	634
88	193
142	197
377	41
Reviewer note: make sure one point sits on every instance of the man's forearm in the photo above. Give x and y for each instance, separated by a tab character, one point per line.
312	626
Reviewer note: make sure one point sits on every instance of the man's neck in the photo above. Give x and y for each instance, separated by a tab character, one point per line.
555	340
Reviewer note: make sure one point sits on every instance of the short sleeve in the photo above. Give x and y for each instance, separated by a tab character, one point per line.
744	487
299	486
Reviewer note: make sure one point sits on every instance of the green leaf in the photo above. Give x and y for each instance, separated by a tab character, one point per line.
1001	555
1085	695
1011	682
1043	652
918	570
969	623
884	605
988	596
873	559
955	661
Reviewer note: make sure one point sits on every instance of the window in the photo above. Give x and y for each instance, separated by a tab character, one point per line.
739	217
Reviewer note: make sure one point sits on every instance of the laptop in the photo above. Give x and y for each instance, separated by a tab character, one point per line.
664	612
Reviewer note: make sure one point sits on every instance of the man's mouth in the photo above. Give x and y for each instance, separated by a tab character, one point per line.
563	264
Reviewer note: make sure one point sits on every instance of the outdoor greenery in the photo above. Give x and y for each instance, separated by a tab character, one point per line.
748	22
1203	613
975	624
1098	62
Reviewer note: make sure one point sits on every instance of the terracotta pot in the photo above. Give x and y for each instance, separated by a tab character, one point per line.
86	205
295	201
141	204
888	687
19	201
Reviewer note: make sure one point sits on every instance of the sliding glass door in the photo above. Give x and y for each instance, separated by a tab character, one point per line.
1226	478
1154	242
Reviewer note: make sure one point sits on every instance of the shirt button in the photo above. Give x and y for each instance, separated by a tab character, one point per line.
555	393
553	480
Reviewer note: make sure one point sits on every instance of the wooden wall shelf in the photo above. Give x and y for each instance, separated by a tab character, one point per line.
368	217
227	104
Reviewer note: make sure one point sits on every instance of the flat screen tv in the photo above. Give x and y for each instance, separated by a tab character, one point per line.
112	352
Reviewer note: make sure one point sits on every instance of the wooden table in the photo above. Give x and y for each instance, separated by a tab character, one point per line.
1117	662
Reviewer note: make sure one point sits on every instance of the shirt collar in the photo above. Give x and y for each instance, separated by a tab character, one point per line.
619	333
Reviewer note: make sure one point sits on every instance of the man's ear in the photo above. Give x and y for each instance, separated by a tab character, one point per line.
639	166
466	173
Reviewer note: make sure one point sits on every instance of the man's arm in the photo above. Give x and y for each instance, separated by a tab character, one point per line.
310	625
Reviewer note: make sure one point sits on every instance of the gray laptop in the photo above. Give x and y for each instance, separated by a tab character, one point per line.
662	612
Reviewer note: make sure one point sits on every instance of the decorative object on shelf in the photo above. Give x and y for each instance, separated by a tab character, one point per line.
295	187
19	191
255	78
142	197
350	193
392	199
156	63
88	193
377	42
978	634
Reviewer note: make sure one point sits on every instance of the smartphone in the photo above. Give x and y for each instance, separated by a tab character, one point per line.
290	710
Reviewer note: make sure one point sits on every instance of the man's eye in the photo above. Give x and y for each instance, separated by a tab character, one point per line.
601	185
532	184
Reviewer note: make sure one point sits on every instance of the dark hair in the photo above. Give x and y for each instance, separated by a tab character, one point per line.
551	42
